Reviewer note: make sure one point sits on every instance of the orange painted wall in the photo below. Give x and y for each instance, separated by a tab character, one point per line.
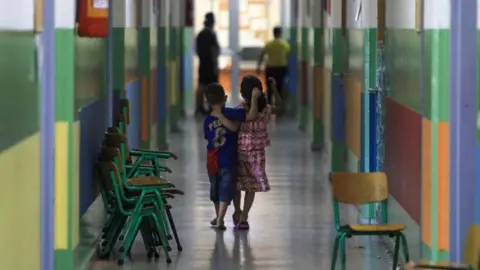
443	171
353	90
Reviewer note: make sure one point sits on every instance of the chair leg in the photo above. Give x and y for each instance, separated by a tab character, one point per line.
343	251
395	252
174	230
335	252
406	256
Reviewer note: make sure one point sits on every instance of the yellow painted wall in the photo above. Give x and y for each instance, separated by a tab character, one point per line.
20	205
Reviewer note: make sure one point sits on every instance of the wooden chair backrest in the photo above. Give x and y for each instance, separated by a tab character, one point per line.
121	123
359	188
471	253
111	154
125	109
115	140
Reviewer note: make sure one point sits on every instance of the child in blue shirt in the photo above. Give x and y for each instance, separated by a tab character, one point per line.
220	129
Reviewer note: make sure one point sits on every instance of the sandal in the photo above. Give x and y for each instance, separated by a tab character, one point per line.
213	222
243	225
236	220
220	226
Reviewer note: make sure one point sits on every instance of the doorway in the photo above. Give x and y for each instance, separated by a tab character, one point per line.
242	27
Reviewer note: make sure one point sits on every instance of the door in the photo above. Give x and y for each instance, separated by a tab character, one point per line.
242	27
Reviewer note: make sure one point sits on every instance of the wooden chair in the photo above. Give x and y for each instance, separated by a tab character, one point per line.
471	255
363	188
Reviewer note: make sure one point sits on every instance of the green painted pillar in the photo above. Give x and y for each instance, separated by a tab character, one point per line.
162	79
338	152
174	67
304	63
153	71
118	50
144	72
66	134
436	134
318	66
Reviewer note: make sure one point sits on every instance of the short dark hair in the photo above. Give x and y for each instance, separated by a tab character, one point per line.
209	19
277	32
247	85
215	94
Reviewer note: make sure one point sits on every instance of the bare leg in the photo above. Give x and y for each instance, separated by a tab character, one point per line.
214	221
247	205
237	204
222	210
217	207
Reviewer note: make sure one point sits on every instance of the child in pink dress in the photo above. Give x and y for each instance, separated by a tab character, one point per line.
253	139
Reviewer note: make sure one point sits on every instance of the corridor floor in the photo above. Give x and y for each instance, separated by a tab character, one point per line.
291	226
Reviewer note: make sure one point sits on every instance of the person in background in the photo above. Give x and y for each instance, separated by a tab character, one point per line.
208	50
276	53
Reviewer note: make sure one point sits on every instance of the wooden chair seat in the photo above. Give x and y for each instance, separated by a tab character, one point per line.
436	265
377	227
147	181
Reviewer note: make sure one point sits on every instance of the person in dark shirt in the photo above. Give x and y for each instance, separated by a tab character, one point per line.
208	51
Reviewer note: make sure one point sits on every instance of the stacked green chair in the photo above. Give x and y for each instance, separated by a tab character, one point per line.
135	196
122	121
119	141
148	165
135	205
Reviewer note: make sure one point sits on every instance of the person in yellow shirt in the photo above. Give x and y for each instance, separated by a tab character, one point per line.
276	54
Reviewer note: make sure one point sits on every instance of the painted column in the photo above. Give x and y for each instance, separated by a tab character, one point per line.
337	43
174	51
66	138
370	41
144	71
117	37
463	165
435	132
304	66
46	66
181	57
318	43
291	101
162	65
188	39
153	71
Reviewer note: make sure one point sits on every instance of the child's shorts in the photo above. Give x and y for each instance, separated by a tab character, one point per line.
223	185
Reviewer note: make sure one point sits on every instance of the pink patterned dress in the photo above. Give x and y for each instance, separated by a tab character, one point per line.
252	140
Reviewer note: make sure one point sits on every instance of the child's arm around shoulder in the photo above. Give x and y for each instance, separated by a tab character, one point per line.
252	113
229	124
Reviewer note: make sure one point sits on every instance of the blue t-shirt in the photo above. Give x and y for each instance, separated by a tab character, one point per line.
222	142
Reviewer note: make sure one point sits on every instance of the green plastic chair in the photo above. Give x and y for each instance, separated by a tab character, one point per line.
471	255
165	189
138	157
363	188
145	210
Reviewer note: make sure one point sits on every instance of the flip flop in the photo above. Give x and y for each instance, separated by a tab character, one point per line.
243	225
213	222
220	227
235	221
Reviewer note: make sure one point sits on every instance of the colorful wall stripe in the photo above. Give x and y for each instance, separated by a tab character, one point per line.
65	174
144	71
174	64
318	79
435	104
162	75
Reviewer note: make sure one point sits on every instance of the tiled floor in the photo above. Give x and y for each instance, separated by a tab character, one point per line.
292	225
